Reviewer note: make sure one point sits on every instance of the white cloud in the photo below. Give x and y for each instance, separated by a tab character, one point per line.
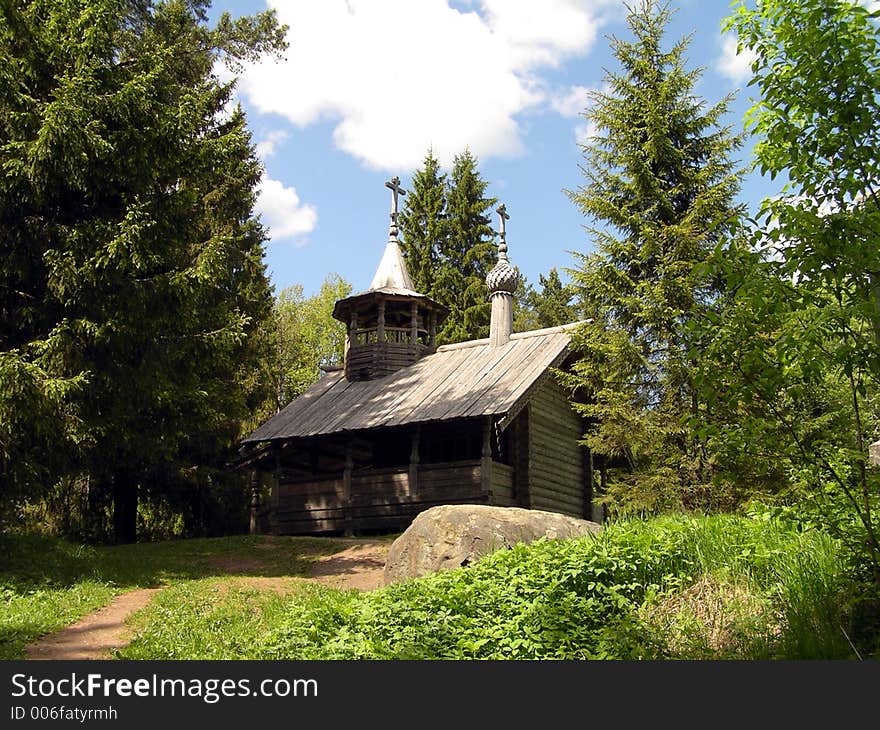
584	132
396	76
572	102
735	66
283	213
871	5
266	147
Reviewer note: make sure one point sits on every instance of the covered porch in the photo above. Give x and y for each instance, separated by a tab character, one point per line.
359	483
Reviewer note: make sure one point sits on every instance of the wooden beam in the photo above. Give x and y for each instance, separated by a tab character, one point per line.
414	461
486	457
255	502
276	480
588	483
346	486
380	322
414	323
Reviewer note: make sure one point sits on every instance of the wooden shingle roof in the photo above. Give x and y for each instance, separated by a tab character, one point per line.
465	380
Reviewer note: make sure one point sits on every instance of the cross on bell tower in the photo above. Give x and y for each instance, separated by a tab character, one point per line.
394	185
390	325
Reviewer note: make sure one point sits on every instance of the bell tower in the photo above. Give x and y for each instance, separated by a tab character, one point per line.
389	326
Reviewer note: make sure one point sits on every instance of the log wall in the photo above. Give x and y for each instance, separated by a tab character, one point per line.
558	480
381	499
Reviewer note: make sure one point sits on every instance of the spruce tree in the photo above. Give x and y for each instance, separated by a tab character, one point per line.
467	254
424	225
133	280
660	192
552	306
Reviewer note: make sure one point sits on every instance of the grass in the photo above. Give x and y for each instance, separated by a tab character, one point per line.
685	588
47	583
689	588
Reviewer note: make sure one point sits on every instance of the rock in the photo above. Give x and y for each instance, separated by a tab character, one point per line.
454	535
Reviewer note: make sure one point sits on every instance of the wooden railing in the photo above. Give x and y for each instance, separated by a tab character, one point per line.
394	335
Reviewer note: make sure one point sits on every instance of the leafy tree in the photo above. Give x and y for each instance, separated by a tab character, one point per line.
804	327
424	225
660	188
306	337
468	254
132	275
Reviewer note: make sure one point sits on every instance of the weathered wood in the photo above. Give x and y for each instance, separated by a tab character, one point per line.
497	382
519	440
414	459
346	480
557	478
486	455
588	480
501	485
459	381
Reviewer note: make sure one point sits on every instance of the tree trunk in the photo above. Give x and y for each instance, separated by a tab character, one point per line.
124	508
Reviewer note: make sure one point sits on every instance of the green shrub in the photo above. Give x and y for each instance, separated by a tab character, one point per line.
721	586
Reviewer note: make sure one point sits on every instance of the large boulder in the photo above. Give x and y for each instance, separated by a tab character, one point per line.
454	535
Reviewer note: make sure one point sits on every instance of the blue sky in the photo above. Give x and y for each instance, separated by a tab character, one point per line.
369	85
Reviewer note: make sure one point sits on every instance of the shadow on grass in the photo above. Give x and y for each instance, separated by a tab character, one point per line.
33	562
47	583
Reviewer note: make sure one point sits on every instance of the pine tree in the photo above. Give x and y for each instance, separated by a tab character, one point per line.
424	225
468	253
660	187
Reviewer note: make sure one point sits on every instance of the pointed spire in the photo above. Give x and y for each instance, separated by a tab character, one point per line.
392	272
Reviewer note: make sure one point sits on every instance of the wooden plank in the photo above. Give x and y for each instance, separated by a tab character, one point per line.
467	383
507	392
434	389
543	497
497	389
377	397
279	421
525	392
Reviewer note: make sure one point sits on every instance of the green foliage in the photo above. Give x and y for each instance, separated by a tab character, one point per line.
423	221
798	346
47	583
660	188
448	243
550	307
305	337
219	617
132	279
603	597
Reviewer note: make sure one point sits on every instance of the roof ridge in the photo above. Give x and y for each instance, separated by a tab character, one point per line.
560	329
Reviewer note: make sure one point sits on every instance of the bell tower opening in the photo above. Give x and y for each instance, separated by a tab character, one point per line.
389	326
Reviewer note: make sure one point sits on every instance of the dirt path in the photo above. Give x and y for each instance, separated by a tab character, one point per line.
94	636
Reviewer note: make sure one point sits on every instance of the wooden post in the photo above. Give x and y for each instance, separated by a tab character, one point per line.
352	335
587	457
275	499
346	489
380	323
414	323
255	502
486	461
414	461
432	332
521	460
